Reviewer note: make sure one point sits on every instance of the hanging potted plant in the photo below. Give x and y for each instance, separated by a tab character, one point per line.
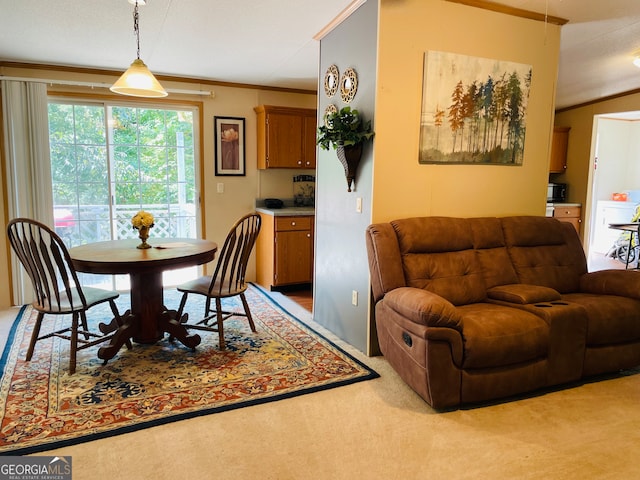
346	132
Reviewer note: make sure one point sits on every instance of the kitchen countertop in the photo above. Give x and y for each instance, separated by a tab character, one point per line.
287	211
564	205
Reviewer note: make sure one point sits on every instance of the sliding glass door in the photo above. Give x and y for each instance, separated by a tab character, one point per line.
110	161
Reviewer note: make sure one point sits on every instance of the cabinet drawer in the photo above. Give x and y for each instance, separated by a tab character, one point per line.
284	224
566	212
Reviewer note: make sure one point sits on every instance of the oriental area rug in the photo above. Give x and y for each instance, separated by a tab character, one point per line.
43	407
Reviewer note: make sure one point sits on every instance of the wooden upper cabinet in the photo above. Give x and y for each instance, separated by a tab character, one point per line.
559	143
286	137
309	140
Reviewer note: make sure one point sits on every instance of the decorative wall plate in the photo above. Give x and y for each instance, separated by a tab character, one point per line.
331	80
331	108
348	85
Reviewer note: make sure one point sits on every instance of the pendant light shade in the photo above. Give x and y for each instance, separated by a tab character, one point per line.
138	81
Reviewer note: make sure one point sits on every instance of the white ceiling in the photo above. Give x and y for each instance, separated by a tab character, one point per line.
263	42
270	42
596	46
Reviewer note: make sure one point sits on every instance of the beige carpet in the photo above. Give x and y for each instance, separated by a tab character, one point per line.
381	430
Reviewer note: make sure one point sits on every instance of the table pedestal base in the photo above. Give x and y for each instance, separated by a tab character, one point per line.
131	327
151	318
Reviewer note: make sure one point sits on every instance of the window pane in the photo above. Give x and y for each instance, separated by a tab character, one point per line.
151	127
63	161
127	166
61	128
124	123
89	125
92	164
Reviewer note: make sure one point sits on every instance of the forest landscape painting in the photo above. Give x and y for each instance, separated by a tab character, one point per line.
473	110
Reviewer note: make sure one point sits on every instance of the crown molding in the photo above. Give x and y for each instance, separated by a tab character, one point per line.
517	12
164	78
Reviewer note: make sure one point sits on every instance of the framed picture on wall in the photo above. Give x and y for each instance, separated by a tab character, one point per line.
229	146
474	110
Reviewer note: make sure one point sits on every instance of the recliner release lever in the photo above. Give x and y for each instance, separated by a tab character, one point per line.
407	339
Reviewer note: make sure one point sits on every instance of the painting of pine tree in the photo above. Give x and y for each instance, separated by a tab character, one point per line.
473	110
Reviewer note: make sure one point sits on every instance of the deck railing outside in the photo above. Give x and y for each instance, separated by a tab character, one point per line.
78	225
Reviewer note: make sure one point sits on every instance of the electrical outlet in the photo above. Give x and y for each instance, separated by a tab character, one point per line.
359	205
220	188
354	298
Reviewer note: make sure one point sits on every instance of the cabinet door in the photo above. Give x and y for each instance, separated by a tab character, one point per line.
293	262
309	141
568	214
558	161
284	140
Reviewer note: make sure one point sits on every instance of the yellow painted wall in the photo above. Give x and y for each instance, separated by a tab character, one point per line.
221	210
404	188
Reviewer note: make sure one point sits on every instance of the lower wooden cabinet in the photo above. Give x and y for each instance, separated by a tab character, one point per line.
568	214
284	251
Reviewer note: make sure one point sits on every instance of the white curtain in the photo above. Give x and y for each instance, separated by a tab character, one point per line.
28	167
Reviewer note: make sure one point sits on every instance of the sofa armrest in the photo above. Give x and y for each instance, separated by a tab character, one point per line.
523	294
625	283
423	307
385	261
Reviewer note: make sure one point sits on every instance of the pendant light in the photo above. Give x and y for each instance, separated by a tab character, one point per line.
138	81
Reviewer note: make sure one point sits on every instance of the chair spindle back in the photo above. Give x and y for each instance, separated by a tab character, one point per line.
232	263
46	260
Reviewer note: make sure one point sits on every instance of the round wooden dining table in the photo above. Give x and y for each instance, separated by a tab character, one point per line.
148	319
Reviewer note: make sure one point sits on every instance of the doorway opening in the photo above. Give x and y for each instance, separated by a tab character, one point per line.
614	173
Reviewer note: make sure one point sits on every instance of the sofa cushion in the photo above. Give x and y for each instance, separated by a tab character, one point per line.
542	254
611	319
433	234
496	336
454	276
438	256
488	240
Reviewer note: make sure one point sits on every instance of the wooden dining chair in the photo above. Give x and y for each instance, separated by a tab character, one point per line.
228	280
57	290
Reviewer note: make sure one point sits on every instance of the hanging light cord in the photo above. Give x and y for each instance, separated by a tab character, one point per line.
136	28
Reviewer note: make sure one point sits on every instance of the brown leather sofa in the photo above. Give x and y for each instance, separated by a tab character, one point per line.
470	310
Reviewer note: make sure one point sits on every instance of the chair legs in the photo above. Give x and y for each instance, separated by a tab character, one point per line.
183	302
74	343
73	338
247	312
213	320
34	335
72	333
219	314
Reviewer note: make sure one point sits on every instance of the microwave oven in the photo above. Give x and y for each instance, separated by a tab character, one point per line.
557	192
